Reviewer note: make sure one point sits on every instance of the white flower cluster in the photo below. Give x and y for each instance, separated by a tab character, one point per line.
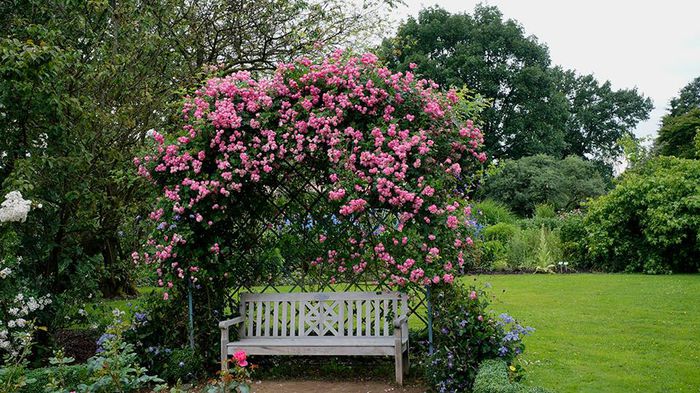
14	208
13	333
4	273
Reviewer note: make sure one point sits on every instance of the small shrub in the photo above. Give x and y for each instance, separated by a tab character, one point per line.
545	211
465	335
234	380
573	240
493	255
535	247
38	379
493	377
501	231
182	364
494	247
115	368
490	212
157	331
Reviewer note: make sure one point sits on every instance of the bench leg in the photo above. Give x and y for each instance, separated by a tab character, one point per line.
224	360
406	362
398	364
224	353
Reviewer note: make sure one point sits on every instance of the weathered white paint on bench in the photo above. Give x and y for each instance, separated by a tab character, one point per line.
321	323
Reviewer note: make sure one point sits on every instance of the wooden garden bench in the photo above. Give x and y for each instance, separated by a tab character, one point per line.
321	323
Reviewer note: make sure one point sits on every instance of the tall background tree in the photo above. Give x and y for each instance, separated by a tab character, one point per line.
530	181
680	127
597	115
537	109
82	82
688	98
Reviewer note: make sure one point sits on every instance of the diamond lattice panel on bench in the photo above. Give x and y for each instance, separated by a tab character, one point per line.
321	314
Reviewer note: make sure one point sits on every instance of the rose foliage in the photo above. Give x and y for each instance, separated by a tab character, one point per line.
380	144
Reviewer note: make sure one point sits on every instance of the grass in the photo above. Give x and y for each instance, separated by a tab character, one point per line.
605	332
602	332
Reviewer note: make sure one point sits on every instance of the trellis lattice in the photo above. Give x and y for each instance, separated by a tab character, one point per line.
284	225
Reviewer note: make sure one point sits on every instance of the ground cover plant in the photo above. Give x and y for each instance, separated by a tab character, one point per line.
606	332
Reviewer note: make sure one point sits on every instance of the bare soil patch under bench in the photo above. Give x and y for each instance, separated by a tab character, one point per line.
332	387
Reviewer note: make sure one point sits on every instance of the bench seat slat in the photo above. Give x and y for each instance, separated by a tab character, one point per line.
317	351
316	342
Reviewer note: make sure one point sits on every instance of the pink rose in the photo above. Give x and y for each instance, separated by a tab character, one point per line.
452	222
473	295
240	358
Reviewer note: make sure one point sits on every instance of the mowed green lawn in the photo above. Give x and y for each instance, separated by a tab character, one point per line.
606	332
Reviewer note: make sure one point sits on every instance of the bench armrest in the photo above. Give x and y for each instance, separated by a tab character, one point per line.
223	325
400	321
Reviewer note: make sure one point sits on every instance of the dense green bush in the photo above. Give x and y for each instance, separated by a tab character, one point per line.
158	331
37	379
535	247
466	334
490	212
572	233
650	222
501	231
493	378
495	245
181	364
530	181
531	244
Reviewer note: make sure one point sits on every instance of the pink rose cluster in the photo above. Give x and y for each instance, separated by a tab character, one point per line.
389	139
240	358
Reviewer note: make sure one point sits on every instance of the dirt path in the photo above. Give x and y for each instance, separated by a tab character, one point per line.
331	387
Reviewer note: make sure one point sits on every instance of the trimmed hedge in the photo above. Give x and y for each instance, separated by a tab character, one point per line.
493	378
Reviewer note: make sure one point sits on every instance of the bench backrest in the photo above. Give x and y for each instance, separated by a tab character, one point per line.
322	314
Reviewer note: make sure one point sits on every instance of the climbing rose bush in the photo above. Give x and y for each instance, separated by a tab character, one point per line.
383	143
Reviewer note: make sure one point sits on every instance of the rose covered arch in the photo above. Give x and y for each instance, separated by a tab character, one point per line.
340	164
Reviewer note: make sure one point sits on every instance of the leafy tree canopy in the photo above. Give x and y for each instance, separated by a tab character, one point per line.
681	126
688	98
536	108
678	134
527	182
82	82
598	116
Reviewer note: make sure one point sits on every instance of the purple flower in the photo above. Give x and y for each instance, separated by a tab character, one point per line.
102	340
506	318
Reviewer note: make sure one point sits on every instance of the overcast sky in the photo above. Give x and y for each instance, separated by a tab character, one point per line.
651	45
